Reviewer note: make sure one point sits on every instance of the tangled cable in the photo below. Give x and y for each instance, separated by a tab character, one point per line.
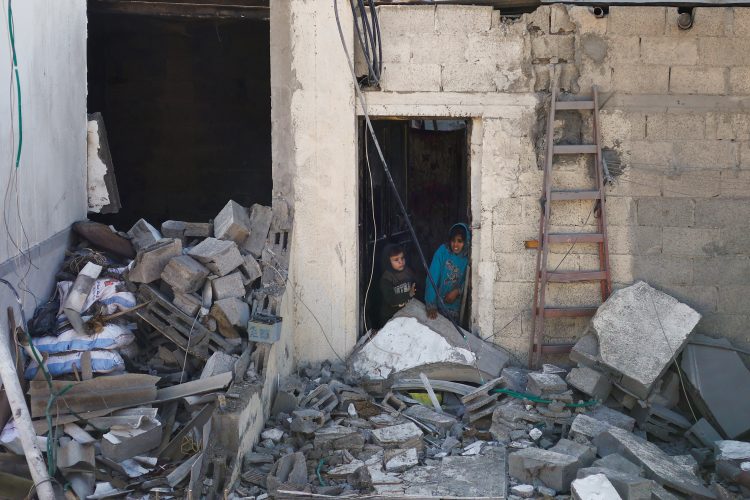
367	28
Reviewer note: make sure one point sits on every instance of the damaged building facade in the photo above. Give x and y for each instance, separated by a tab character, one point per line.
675	122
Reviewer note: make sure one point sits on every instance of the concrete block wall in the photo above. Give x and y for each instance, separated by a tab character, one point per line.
674	113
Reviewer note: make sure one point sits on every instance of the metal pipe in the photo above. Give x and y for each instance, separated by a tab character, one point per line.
599	12
685	20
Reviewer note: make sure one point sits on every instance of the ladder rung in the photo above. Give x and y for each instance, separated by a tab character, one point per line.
571	276
569	312
574	195
574	105
555	348
573	149
576	238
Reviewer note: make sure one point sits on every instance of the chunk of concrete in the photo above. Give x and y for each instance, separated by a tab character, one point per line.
555	470
702	434
227	287
410	344
585	428
250	269
583	453
639	316
400	460
523	490
189	303
589	381
184	274
613	417
441	421
307	421
596	487
260	224
338	437
406	435
657	464
289	473
151	261
232	223
661	422
585	352
721	383
173	229
143	235
199	229
123	442
219	362
628	486
229	314
545	383
617	462
219	256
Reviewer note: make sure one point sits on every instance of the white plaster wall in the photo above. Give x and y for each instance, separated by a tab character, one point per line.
51	187
315	168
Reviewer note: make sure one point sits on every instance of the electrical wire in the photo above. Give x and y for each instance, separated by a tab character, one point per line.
369	40
375	237
12	35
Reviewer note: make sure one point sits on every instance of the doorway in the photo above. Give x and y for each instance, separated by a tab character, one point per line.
428	160
186	101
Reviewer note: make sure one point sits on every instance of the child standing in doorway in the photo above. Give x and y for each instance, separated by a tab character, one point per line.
397	284
448	269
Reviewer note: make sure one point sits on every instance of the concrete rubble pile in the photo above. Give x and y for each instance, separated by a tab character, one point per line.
149	351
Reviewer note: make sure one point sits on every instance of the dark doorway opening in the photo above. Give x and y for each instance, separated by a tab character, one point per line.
428	160
187	106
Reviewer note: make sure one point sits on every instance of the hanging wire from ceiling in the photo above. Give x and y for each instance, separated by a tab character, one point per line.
367	28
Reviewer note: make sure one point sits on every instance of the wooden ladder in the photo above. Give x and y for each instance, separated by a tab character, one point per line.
543	276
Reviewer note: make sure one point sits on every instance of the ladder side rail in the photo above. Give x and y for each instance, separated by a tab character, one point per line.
606	285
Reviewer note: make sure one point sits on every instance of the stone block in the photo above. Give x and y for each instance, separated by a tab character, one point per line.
612	417
705	154
594	383
545	383
583	453
143	235
586	351
184	274
628	486
698	80
189	303
555	470
594	487
488	48
228	286
560	20
173	229
439	48
545	48
641	78
615	461
669	50
468	77
584	428
408	77
151	261
199	229
463	18
219	256
232	223
702	434
631	20
260	224
585	20
250	269
399	460
739	81
722	213
406	19
691	241
406	435
675	126
741	18
636	316
441	421
675	212
229	314
538	21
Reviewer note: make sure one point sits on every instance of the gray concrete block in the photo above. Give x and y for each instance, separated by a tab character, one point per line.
586	351
409	77
593	487
232	223
406	19
636	316
691	241
260	223
545	383
219	256
583	453
698	80
189	303
555	470
151	261
704	154
631	20
641	78
628	486
729	213
184	274
406	435
739	81
584	428
250	269
675	212
612	417
468	77
675	126
463	18
594	383
236	311
143	235
173	229
199	229
615	461
672	50
661	270
721	270
228	286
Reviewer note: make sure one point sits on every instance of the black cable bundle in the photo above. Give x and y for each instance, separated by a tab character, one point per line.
368	33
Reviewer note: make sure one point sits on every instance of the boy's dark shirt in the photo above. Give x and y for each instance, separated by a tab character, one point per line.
395	287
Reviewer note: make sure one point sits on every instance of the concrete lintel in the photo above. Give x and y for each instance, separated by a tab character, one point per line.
674	103
445	104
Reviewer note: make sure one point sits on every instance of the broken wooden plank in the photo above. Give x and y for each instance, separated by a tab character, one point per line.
200	386
182	471
430	392
171	449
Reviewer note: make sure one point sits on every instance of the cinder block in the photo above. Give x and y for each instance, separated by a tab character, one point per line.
635	240
250	269
143	235
544	48
468	77
509	239
545	383
689	241
693	183
515	296
745	156
462	18
260	224
409	77
219	256
675	126
617	126
730	51
555	470
439	48
627	486
189	303
406	19
228	286
660	270
591	382
585	21
232	223
741	21
739	81
641	79
721	270
505	51
150	262
735	242
727	213
624	49
583	453
706	154
734	299
631	20
173	229
621	210
184	274
702	298
560	20
676	212
669	50
706	22
538	21
698	80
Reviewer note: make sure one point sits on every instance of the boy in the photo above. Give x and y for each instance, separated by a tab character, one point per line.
448	269
397	285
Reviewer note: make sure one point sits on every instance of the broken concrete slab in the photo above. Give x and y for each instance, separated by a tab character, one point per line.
545	383
555	470
143	235
612	417
482	401
638	316
250	269
321	398
589	381
628	486
596	487
289	473
523	490
584	428
151	261
184	274
229	314
411	343
219	362
307	421
720	382
338	437
400	460
229	286
702	434
123	442
617	462
585	352
406	435
657	464
260	224
583	453
440	421
174	229
232	223
219	256
661	422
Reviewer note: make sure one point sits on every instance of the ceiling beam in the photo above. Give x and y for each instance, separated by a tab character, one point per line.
204	9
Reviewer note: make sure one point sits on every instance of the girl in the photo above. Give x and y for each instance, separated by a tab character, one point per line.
448	269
